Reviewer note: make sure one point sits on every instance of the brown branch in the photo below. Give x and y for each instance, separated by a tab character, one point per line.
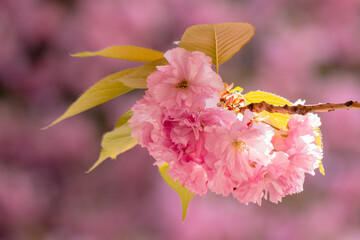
297	109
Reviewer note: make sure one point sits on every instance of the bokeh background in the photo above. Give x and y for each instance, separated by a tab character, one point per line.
302	49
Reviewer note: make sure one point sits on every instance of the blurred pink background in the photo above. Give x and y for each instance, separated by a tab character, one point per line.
301	49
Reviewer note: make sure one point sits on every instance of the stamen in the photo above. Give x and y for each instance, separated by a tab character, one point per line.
183	84
240	146
252	164
232	100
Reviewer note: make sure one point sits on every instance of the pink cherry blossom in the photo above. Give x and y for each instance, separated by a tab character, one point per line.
220	180
146	120
188	81
191	168
296	153
209	147
178	140
299	142
264	182
242	146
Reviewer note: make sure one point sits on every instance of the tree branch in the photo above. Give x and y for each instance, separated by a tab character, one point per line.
297	109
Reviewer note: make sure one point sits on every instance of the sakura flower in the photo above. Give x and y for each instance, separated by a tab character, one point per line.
185	152
264	182
216	116
196	152
210	147
188	82
220	180
242	146
145	121
299	142
296	153
178	139
191	174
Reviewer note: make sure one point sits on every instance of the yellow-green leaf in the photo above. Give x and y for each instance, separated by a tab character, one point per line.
185	195
219	41
319	143
258	96
238	89
124	118
131	53
115	142
137	79
277	120
102	91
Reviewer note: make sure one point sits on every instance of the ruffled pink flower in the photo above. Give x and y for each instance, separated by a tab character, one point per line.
146	120
192	168
242	146
178	139
216	116
208	147
220	180
187	82
299	142
185	152
264	182
191	174
296	154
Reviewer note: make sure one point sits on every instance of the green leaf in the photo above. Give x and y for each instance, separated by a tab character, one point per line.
277	120
124	118
115	142
131	53
185	195
102	91
219	41
137	79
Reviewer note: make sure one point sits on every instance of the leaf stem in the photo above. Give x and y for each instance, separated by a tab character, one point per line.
216	51
298	109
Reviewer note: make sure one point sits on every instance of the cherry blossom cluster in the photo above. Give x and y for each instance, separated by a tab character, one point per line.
207	147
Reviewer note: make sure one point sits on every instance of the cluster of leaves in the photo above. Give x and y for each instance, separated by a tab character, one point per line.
219	41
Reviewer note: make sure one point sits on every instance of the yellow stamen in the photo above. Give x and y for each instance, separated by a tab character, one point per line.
240	145
183	84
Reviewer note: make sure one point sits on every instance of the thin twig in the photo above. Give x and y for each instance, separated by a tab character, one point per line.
298	109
